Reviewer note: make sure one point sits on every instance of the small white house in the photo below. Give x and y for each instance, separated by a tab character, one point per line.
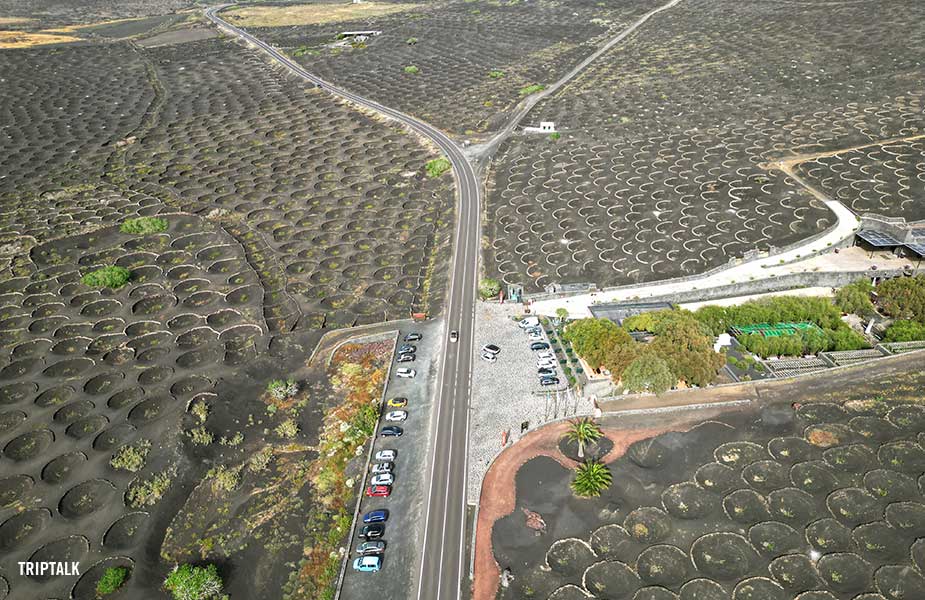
545	127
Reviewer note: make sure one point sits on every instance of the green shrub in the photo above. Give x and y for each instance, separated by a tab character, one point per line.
148	492
224	479
260	460
437	166
904	331
591	478
111	277
555	135
111	581
144	225
489	288
187	582
411	41
282	390
496	74
200	410
132	457
200	436
412	70
854	298
532	89
288	429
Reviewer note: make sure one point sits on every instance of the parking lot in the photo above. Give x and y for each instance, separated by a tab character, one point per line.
404	529
506	393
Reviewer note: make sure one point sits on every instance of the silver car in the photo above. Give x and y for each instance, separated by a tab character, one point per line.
383	467
382	479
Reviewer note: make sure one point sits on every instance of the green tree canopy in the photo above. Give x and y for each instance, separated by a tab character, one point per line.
489	288
648	373
905	331
903	297
685	345
619	357
593	339
854	298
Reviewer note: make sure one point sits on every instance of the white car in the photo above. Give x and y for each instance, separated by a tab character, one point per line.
487	357
549	364
529	322
546	354
405	372
382	479
396	416
384	467
535	337
386	455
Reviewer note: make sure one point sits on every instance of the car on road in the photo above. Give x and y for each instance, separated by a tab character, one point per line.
539	346
378	491
413	337
387	454
382	479
487	357
454	336
403	358
405	372
371	548
491	349
407	348
550	381
372	531
376	516
383	467
396	416
545	371
368	564
397	402
391	431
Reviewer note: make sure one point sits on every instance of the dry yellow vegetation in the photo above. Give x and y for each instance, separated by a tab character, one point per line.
311	14
13	21
22	39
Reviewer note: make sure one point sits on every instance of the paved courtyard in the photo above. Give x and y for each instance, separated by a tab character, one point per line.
506	393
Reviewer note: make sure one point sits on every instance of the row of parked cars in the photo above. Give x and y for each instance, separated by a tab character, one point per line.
382	470
545	357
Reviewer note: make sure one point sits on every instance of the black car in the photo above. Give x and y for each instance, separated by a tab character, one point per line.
406	348
545	371
405	358
539	346
413	337
391	431
549	381
372	531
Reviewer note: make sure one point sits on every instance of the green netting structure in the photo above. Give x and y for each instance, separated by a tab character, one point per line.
775	329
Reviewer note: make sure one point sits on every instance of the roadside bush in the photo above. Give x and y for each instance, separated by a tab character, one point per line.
489	288
111	581
132	457
437	166
905	331
111	277
144	225
187	582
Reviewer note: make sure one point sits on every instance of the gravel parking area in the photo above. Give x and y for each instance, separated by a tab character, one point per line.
507	393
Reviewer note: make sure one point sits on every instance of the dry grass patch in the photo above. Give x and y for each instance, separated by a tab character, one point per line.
19	39
4	21
311	14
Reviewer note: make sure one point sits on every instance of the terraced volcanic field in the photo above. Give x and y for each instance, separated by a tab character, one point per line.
286	214
825	502
668	164
471	58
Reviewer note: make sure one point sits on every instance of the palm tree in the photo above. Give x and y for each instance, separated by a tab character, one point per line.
591	478
583	431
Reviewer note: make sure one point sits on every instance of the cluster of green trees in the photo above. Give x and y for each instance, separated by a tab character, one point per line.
903	298
681	351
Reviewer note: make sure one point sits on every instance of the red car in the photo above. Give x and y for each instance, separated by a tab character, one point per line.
378	491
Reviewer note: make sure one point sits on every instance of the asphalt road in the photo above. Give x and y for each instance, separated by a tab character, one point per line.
443	551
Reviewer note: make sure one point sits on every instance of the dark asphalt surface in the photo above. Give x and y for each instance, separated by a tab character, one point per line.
443	550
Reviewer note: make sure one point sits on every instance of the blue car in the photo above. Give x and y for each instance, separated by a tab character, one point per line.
376	516
370	564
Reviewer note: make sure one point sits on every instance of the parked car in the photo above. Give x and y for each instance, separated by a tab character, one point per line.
372	531
403	358
539	346
406	348
382	479
546	354
396	416
397	402
491	349
545	371
367	564
529	322
391	431
454	336
405	372
551	381
488	357
413	337
529	330
383	467
371	548
535	337
386	455
378	491
545	362
376	516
